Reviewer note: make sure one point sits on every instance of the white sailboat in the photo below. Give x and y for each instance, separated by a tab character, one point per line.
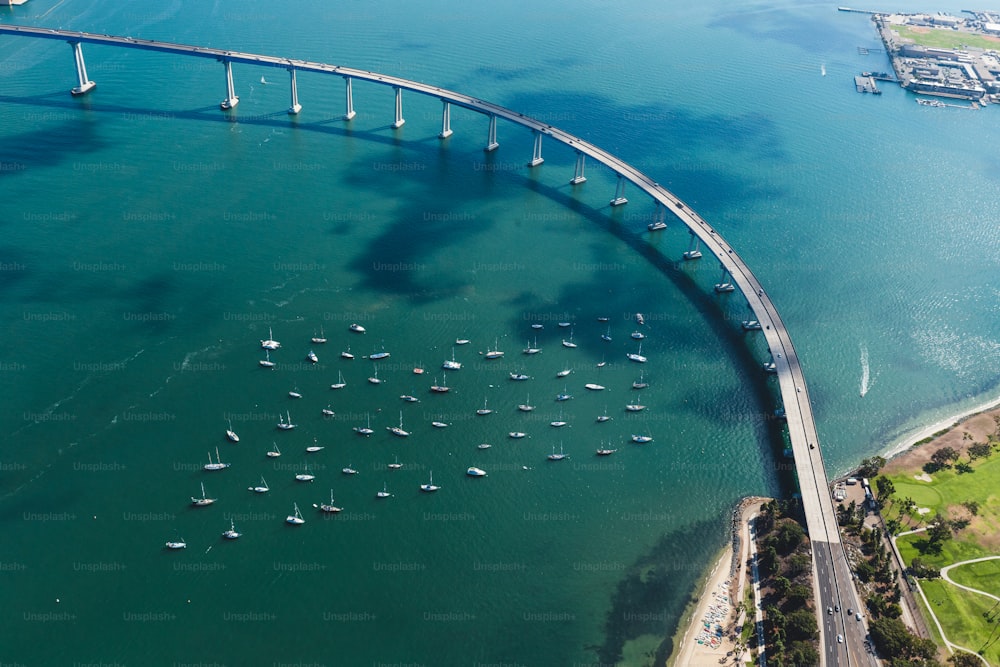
305	476
437	424
365	430
349	470
526	406
475	472
311	356
179	544
451	365
384	493
218	465
637	356
374	378
484	410
520	377
559	423
346	354
204	501
409	398
357	328
231	434
442	388
557	457
398	430
329	509
260	488
294	393
594	387
607	336
429	486
274	453
569	343
296	518
339	384
638	335
328	411
314	447
516	435
266	361
396	465
495	353
533	348
641	439
231	534
270	343
604	417
564	396
635	407
286	425
320	339
640	383
563	373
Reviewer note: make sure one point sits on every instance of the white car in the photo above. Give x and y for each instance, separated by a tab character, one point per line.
840	639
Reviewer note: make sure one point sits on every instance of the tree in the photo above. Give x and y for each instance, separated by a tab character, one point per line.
790	535
965	659
869	467
964	467
798	564
972	506
800	624
944	456
885	487
979	450
802	653
891	637
798	595
782	586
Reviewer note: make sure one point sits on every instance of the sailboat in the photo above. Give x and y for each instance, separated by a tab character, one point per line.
564	396
231	534
295	519
379	355
603	451
266	361
329	509
451	365
519	376
356	328
179	544
384	493
328	411
365	430
483	410
569	343
637	356
559	422
557	457
607	336
314	447
339	384
409	398
270	343
320	339
349	470
346	354
495	353
429	486
563	373
594	387
419	368
374	378
437	424
311	356
285	425
441	388
475	472
274	453
398	430
218	465
395	466
635	407
640	383
294	393
533	348
261	488
305	476
641	439
638	335
526	406
263	81
604	417
231	434
516	435
204	501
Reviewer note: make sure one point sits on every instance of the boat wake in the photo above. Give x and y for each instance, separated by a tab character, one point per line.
865	370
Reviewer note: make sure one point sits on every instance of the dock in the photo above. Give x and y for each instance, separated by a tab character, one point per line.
866	84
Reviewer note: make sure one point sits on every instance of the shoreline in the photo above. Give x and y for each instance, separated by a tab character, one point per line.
907	442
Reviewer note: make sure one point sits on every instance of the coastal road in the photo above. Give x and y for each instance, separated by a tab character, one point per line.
833	574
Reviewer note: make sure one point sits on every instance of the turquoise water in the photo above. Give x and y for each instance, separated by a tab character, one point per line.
151	241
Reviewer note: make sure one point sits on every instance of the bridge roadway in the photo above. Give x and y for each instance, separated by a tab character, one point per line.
834	580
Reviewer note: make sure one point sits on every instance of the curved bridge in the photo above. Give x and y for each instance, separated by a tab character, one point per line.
834	585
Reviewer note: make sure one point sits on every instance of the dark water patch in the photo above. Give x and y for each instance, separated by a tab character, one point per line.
652	596
809	33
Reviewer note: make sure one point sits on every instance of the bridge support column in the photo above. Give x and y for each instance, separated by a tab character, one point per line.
724	284
693	251
578	176
619	192
536	155
84	84
445	120
491	137
659	218
398	123
349	113
231	99
296	107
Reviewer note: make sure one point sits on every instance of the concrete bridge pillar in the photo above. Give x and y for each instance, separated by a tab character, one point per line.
536	154
491	137
445	120
619	192
83	83
724	284
398	123
231	99
578	176
296	107
349	112
693	251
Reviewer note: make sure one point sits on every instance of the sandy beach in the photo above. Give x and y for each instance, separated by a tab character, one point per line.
991	406
708	633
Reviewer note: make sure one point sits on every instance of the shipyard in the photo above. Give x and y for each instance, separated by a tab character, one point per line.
939	54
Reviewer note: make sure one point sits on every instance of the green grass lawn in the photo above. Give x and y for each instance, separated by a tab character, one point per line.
952	551
984	576
964	617
949	488
946	39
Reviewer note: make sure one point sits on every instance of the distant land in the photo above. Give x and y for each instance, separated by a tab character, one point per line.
942	55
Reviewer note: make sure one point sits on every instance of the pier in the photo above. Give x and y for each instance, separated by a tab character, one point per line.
833	583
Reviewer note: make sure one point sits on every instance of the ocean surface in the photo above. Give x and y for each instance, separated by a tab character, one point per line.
151	241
